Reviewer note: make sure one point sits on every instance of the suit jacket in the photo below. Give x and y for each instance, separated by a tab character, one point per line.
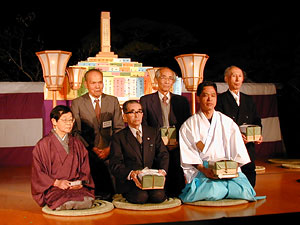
127	154
245	113
88	129
179	110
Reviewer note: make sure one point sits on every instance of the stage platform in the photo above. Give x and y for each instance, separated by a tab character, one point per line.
280	185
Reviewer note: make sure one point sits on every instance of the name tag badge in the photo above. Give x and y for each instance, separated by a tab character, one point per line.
107	124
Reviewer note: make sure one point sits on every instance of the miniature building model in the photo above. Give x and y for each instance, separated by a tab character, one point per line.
122	77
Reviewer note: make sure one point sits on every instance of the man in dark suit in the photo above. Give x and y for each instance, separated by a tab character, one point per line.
165	109
98	116
242	109
134	148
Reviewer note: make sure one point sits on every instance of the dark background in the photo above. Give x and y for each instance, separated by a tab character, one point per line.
263	38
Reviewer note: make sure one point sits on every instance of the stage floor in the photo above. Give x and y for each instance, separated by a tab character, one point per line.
278	184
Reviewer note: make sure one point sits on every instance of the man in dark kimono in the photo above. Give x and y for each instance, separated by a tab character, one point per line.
60	169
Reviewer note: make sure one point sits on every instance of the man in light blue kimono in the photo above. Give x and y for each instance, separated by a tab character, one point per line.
210	136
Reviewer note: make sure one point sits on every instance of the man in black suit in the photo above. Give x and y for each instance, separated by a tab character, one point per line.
134	148
242	109
165	109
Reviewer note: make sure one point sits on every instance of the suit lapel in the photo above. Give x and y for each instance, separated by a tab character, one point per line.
133	143
90	109
172	117
156	108
146	144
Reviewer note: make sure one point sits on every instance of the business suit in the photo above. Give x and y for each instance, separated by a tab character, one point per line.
245	113
179	113
128	154
97	134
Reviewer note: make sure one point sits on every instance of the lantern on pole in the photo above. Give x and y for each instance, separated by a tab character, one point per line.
54	64
75	75
152	72
192	67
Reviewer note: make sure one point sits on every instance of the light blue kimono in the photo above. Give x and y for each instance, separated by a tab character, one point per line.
203	188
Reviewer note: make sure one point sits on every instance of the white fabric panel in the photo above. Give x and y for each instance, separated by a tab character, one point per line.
271	129
247	88
21	87
20	132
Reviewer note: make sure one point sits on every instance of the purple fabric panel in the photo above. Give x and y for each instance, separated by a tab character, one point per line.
266	105
48	106
21	105
268	150
16	156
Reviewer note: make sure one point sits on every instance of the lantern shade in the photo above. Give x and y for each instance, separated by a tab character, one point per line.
75	75
54	66
192	67
152	72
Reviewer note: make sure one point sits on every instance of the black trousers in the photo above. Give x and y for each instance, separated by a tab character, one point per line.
139	196
101	175
249	168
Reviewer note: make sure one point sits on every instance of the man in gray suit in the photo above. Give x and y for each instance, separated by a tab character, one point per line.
98	116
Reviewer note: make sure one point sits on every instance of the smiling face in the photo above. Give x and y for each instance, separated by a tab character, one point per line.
234	78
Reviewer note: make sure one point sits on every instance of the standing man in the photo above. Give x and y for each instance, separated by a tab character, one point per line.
165	109
134	148
98	116
242	109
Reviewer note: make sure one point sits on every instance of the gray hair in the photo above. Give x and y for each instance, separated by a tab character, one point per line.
228	69
158	72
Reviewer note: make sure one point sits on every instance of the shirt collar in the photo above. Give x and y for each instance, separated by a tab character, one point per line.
133	130
160	95
93	98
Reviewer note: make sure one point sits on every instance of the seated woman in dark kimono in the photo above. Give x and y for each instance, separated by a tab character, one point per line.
60	169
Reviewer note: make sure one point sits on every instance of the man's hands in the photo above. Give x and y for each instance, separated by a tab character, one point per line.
102	153
256	142
206	171
134	176
65	184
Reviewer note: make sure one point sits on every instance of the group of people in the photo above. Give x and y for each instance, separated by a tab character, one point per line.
95	150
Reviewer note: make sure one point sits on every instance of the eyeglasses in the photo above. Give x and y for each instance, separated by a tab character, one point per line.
68	121
134	112
167	78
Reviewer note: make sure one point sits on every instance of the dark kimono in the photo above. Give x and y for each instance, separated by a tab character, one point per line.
50	162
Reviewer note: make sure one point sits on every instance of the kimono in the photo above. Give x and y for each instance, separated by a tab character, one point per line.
50	162
222	140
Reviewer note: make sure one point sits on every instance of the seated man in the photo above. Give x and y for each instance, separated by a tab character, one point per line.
210	136
134	148
60	169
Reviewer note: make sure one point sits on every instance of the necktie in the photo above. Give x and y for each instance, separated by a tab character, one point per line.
138	136
237	99
165	99
97	109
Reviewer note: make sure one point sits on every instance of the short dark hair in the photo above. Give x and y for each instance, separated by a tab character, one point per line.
205	84
58	111
125	104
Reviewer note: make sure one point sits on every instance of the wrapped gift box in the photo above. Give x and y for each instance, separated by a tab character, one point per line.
151	179
224	168
168	135
252	132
